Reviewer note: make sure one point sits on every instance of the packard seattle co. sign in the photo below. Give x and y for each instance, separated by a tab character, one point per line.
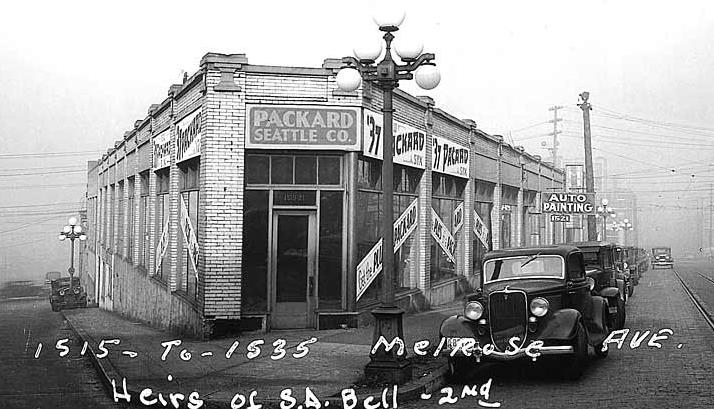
568	203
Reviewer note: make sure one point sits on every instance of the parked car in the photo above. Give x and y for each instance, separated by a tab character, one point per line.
662	257
529	295
632	264
623	271
52	275
600	266
63	295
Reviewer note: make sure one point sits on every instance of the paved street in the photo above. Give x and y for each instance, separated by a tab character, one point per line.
49	381
643	377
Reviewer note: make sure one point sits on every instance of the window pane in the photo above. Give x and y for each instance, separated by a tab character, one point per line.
255	251
257	169
281	170
330	258
330	170
305	170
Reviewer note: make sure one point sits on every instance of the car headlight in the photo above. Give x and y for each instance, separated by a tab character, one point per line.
473	310
591	283
61	293
539	306
76	290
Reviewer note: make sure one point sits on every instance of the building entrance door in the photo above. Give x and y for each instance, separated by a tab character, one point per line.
293	265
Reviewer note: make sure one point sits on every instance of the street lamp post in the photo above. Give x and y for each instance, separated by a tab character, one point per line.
388	366
626	226
72	231
605	212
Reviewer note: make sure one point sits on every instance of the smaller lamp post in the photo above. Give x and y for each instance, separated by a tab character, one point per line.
72	231
605	212
626	226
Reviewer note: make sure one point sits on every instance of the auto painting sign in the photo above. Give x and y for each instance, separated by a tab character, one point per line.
568	203
449	157
409	144
371	264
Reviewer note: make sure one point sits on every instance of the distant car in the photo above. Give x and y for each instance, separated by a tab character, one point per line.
52	275
63	295
662	257
600	264
532	300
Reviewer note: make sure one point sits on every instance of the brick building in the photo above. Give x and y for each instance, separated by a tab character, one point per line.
250	198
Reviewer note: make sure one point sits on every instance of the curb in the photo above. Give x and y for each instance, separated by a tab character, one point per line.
107	372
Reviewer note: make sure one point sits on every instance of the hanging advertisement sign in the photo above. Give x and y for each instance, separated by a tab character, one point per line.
568	203
161	247
162	150
443	236
481	230
189	235
449	157
371	264
409	143
302	127
458	217
188	136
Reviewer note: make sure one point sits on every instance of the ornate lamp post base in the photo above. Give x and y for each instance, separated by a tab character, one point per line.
388	367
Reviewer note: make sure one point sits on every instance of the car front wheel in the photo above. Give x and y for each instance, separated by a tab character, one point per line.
579	360
620	318
457	370
55	307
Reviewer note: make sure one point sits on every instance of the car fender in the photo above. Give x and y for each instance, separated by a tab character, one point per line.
610	292
457	326
596	327
560	325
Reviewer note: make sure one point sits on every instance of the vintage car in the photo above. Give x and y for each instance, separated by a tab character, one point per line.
52	275
600	266
62	296
624	271
662	257
531	301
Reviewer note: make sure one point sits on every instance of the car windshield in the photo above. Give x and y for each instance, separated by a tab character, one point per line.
660	250
64	282
528	266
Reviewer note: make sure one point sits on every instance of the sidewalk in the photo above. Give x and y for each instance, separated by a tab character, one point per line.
334	361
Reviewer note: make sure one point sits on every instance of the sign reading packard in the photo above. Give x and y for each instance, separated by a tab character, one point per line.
409	143
449	157
162	150
302	127
568	203
188	136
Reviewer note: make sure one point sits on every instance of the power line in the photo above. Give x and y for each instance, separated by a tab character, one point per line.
43	173
41	186
30	224
41	205
654	122
48	154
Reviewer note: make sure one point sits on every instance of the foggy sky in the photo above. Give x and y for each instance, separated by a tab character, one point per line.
76	75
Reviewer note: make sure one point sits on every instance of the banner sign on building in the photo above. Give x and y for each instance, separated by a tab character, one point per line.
449	157
188	136
568	203
409	143
371	264
162	150
458	217
161	247
189	236
302	127
481	230
443	236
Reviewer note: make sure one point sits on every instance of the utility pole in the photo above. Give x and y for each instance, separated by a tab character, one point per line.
589	181
555	133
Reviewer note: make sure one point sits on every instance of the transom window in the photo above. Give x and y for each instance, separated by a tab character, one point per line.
293	170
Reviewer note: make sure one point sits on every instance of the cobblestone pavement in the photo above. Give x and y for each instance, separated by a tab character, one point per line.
49	381
680	374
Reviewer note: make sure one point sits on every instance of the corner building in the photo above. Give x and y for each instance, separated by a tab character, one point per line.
250	198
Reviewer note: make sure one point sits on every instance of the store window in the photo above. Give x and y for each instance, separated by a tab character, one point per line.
188	219
330	254
144	224
506	216
120	218
447	195
162	223
255	252
130	211
369	213
293	170
110	222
